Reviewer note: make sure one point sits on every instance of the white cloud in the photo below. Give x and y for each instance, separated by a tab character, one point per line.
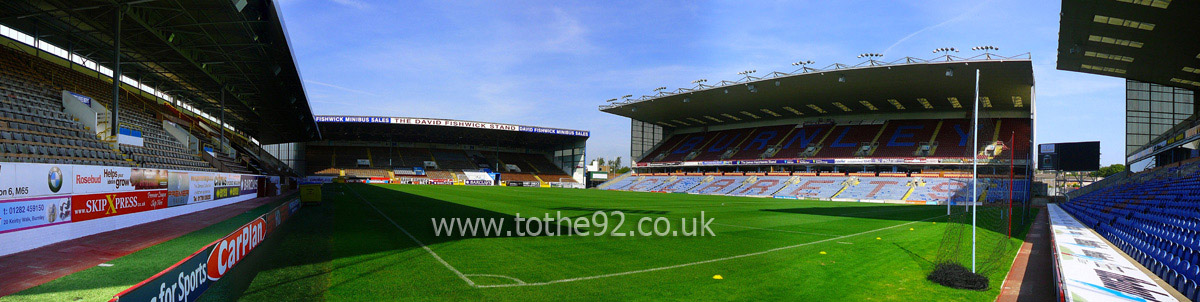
351	3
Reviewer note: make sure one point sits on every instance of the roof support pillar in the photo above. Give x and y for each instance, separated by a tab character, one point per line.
222	125
116	76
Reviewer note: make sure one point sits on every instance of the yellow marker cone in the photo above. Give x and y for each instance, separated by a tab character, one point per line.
822	252
878	238
910	229
718	277
935	222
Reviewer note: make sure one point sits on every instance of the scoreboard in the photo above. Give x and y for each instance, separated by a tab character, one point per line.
1069	157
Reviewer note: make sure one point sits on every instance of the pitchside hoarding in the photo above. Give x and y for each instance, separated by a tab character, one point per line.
20	214
36	195
96	179
188	279
21	180
95	206
150	179
178	188
201	187
249	184
226	185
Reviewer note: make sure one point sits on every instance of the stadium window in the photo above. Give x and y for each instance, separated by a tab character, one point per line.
1123	22
1115	41
1108	56
1150	3
954	102
924	103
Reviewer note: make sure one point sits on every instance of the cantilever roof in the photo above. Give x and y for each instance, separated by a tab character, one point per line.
443	131
905	86
1150	41
192	49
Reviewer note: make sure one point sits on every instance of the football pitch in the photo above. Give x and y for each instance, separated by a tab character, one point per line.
378	242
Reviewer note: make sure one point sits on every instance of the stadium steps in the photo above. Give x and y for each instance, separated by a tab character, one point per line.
778	145
737	148
933	140
843	189
875	141
821	143
608	183
910	191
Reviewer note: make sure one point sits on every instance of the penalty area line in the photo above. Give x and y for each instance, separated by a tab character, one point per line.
414	239
705	261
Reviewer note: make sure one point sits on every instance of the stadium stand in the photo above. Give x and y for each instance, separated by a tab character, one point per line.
35	127
1155	218
919	138
38	129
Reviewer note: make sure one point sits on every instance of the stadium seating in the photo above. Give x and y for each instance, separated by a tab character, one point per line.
516	176
1155	218
902	138
453	160
761	140
682	184
814	187
722	142
37	129
762	186
800	139
931	190
719	185
846	140
928	138
440	174
876	188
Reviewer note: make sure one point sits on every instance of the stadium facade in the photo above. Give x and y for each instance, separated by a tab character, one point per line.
438	151
1149	213
113	117
895	131
1150	44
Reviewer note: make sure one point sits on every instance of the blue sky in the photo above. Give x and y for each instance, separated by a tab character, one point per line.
552	63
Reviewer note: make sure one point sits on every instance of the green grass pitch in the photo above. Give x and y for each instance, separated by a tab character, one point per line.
764	249
354	247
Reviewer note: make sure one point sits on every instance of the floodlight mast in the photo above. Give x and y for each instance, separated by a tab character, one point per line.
747	73
947	51
986	50
871	57
803	66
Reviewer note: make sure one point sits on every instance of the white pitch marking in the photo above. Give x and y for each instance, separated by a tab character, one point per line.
775	230
497	276
472	283
704	261
410	236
